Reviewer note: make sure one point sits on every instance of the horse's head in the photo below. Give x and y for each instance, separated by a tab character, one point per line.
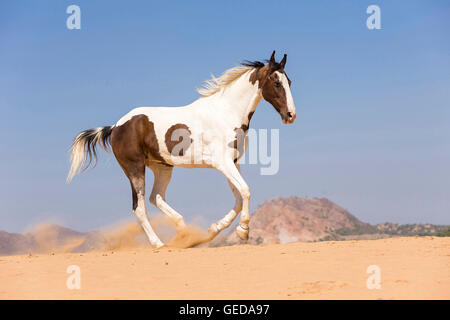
276	88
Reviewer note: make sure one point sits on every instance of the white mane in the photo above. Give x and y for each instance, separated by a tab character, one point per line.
214	85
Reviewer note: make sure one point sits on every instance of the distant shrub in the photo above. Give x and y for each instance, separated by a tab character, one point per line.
445	233
357	229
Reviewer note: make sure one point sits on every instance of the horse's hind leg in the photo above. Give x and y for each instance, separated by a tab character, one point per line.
163	174
128	147
136	174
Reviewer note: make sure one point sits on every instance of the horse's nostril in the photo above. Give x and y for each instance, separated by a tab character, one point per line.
289	114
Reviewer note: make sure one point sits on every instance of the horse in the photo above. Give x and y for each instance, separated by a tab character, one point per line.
211	132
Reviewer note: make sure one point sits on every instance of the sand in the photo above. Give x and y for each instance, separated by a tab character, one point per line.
410	268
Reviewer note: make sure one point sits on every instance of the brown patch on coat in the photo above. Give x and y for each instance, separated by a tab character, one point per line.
241	133
243	127
239	142
249	117
260	75
134	144
136	137
183	135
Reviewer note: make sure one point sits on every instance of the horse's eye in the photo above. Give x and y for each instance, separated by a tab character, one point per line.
277	84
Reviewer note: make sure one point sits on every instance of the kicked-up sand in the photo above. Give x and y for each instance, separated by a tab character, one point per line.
405	268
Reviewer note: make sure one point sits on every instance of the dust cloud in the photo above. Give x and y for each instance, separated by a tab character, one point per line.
124	235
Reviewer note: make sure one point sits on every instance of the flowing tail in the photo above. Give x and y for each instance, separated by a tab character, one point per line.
84	148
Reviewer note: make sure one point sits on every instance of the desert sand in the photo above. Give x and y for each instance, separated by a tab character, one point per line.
410	268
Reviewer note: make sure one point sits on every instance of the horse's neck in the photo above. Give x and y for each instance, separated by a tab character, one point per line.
239	99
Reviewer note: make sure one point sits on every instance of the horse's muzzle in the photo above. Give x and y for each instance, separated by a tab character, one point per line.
289	117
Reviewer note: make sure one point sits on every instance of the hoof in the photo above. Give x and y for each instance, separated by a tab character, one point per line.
159	246
242	233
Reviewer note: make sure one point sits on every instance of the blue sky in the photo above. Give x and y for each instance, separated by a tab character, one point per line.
372	132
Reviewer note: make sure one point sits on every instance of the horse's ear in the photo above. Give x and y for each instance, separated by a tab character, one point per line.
283	62
272	61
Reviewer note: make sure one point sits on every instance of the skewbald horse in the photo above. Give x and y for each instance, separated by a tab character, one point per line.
208	133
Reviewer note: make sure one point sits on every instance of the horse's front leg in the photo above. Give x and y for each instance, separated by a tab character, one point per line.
242	194
228	219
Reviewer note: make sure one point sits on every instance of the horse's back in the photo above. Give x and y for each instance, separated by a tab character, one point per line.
151	112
